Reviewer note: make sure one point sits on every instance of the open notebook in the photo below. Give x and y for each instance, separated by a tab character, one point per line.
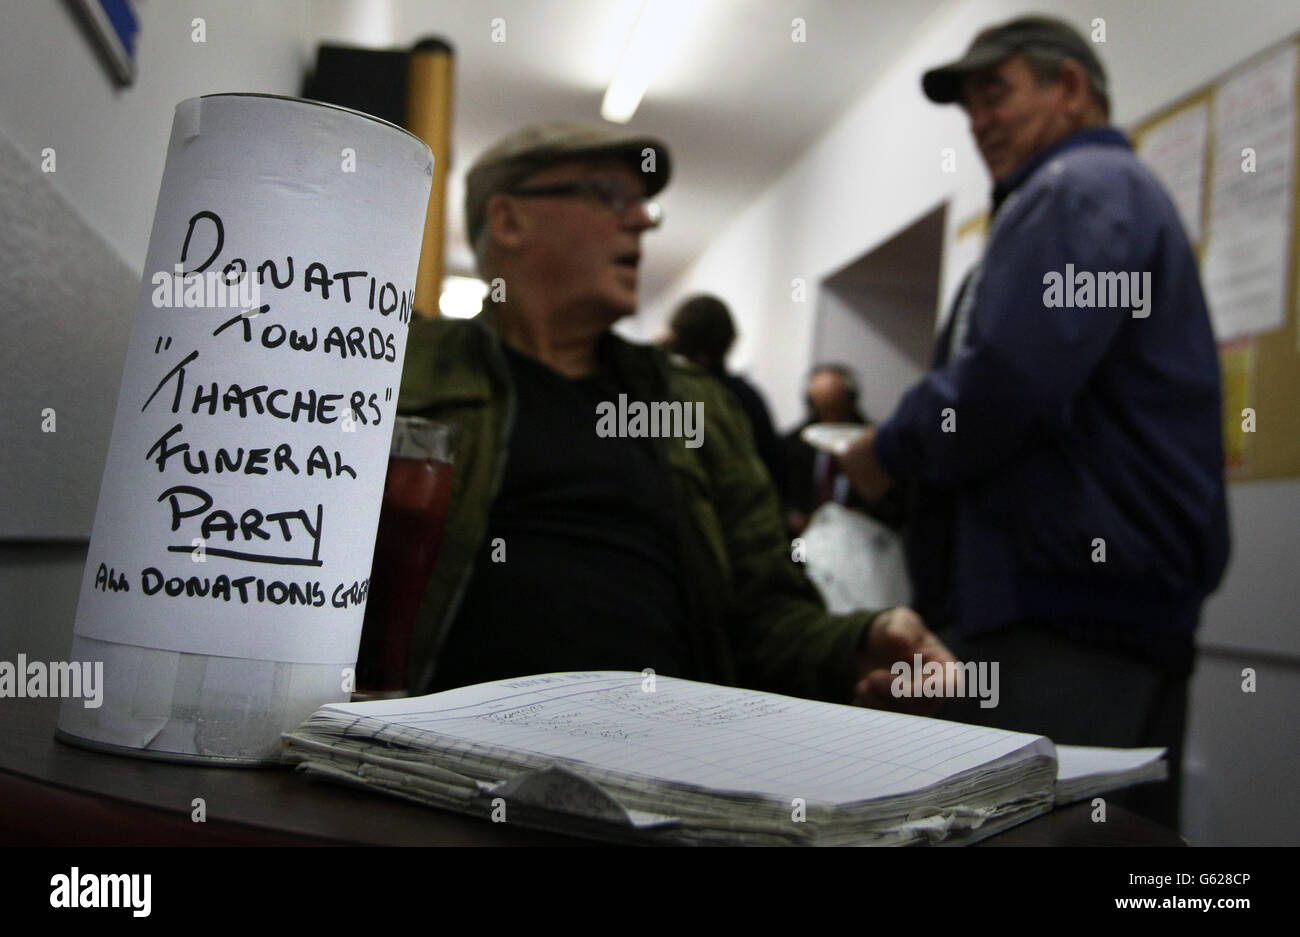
623	757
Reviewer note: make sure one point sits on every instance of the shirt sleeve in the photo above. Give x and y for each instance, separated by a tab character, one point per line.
1030	348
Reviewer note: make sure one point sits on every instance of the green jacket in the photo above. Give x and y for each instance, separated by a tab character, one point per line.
757	620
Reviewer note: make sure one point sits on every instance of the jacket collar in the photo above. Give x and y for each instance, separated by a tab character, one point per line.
634	363
1093	136
490	319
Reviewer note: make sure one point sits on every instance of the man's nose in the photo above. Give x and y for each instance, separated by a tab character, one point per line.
642	216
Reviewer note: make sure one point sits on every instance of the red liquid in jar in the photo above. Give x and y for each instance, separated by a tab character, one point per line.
411	520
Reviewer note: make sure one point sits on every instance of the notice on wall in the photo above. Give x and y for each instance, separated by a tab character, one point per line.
241	494
1175	149
1249	236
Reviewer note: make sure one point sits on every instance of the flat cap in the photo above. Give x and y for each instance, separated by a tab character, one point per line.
1028	33
526	151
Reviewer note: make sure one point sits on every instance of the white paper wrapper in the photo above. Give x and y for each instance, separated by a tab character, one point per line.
225	582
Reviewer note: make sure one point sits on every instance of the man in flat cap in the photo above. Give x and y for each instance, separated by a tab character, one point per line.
1065	451
576	541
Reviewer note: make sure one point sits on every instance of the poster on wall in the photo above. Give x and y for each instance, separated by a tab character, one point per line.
1175	149
1248	241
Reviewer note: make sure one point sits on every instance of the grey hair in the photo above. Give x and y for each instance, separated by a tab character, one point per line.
1046	65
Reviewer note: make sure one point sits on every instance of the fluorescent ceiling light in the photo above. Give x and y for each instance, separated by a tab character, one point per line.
462	297
648	49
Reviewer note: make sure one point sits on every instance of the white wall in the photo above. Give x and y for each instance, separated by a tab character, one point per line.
110	143
877	171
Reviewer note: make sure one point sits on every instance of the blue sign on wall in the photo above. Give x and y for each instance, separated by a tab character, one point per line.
114	25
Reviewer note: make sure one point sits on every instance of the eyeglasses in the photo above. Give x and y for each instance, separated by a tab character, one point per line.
612	196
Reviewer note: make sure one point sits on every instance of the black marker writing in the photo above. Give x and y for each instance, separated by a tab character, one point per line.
275	529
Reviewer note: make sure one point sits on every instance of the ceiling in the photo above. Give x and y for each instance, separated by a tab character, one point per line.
737	100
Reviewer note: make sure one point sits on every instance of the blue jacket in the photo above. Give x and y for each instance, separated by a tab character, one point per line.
1071	428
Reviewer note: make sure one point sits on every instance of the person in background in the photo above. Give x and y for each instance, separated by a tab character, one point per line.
811	477
1069	450
701	330
572	547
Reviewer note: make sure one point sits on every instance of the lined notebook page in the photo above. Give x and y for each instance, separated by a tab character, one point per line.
700	734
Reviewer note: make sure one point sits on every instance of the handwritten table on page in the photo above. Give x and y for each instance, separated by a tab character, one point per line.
692	734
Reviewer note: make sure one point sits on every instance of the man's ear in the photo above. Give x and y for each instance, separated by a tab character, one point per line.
503	222
1073	82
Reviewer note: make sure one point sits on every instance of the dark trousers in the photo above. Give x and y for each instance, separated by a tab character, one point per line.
1078	694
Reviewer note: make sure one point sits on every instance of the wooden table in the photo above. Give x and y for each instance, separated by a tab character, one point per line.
57	794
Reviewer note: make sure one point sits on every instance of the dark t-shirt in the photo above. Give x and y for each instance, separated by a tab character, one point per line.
585	524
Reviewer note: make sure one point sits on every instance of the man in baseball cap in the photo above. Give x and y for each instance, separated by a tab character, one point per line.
1064	456
608	511
1001	60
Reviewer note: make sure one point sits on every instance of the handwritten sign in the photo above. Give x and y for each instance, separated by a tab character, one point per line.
241	494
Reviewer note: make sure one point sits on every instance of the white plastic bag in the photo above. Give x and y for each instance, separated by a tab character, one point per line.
854	561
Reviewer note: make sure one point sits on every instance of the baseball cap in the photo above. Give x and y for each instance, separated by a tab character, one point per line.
997	43
526	151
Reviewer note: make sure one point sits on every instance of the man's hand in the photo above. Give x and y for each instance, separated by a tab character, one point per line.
896	635
863	469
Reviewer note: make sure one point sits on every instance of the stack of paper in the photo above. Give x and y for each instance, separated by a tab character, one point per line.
628	757
1084	772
